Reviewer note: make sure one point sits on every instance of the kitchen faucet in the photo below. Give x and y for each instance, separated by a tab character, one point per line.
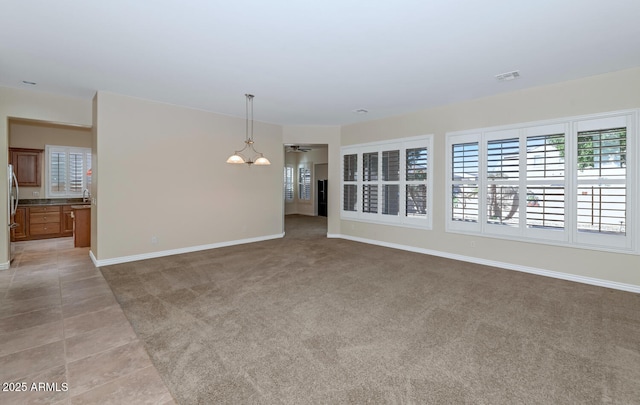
88	195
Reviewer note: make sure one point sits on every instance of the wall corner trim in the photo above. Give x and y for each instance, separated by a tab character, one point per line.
508	266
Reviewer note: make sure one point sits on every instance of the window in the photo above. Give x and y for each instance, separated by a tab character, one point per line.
415	182
545	181
602	172
304	183
566	182
370	182
67	171
387	182
604	181
390	182
464	182
349	182
288	183
502	181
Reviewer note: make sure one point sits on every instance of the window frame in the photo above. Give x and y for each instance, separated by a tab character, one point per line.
401	218
86	165
569	235
289	184
305	173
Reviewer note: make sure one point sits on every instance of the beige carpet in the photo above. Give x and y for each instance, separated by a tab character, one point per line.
310	320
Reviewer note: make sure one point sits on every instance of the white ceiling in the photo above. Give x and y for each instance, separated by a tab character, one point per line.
311	62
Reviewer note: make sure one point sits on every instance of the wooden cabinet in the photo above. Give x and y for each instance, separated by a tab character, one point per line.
20	232
67	220
82	227
27	164
44	220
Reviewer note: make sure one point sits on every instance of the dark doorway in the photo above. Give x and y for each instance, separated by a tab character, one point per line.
322	198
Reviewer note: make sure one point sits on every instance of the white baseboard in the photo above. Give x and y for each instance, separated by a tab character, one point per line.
93	258
153	255
509	266
5	266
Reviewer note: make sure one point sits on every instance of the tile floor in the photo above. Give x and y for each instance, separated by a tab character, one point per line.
60	325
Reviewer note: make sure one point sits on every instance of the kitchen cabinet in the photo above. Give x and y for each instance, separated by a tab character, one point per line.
81	226
20	232
44	220
67	220
27	164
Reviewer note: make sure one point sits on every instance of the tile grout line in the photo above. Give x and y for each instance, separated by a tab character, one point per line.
64	334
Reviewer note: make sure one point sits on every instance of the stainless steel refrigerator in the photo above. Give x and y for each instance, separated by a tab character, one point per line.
12	203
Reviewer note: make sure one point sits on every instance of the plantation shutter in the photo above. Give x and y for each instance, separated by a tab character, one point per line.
503	159
349	179
370	182
464	187
67	171
57	172
602	173
416	182
391	182
545	182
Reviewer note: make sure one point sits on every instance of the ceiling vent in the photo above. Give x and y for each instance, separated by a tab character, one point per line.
503	77
361	111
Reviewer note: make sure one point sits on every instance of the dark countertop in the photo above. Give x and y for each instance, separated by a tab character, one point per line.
50	201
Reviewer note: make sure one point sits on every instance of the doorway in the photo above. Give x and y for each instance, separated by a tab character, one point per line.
43	200
322	174
306	173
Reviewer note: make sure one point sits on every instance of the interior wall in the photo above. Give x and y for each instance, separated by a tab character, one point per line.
165	184
614	91
322	135
29	104
36	134
322	171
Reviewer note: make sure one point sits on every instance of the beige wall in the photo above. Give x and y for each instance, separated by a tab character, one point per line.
17	103
596	94
37	134
323	135
162	173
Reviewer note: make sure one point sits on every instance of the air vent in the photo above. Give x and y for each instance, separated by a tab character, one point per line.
502	77
361	111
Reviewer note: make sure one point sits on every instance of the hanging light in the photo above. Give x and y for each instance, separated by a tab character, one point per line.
249	154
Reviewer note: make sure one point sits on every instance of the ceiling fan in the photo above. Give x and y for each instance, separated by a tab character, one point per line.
297	148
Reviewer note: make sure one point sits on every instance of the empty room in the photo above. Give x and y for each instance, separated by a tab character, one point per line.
324	203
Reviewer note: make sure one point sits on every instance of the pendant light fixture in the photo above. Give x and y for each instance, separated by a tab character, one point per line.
249	154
